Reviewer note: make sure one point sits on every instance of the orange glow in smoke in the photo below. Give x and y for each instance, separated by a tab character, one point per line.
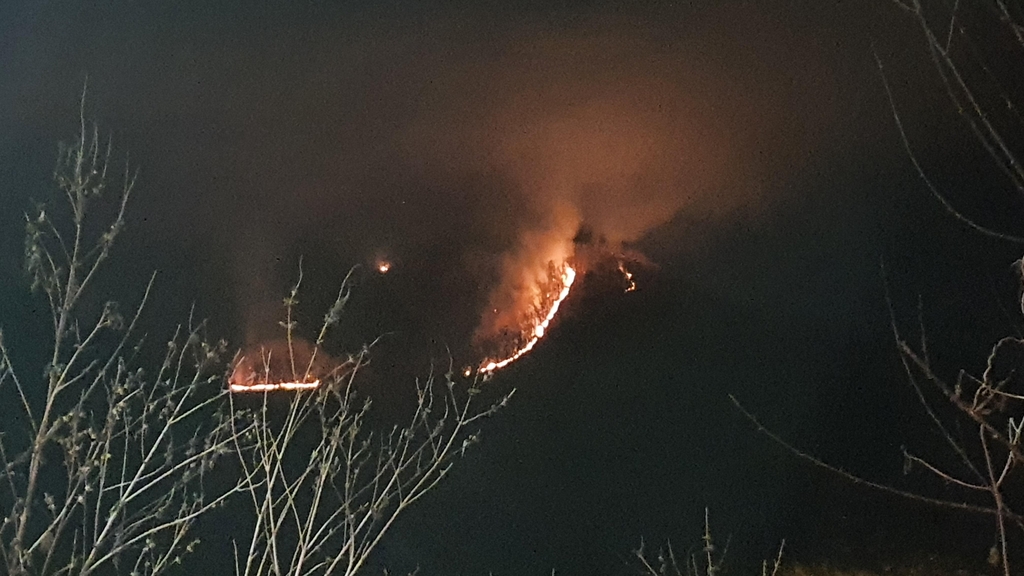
534	334
383	266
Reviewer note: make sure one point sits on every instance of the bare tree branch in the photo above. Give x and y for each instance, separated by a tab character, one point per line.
112	473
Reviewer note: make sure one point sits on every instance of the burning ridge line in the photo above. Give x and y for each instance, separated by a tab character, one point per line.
539	329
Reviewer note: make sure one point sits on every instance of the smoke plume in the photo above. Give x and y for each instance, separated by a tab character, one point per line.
600	133
469	146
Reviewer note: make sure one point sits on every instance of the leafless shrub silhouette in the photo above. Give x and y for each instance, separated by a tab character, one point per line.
979	417
708	560
984	429
325	488
105	468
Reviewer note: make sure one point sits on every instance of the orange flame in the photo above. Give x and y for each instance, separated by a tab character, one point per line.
538	330
630	283
269	387
281	365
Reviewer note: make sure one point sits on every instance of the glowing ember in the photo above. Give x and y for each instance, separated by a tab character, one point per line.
383	267
630	284
538	330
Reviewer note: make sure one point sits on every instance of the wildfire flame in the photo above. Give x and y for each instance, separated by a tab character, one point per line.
534	333
281	365
269	387
383	267
630	283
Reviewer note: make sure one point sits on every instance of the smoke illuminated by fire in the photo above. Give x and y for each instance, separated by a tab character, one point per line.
458	200
501	166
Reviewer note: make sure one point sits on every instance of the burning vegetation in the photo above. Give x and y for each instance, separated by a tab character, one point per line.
535	321
523	308
536	280
281	365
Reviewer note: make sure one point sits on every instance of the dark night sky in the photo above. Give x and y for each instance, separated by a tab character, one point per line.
746	148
